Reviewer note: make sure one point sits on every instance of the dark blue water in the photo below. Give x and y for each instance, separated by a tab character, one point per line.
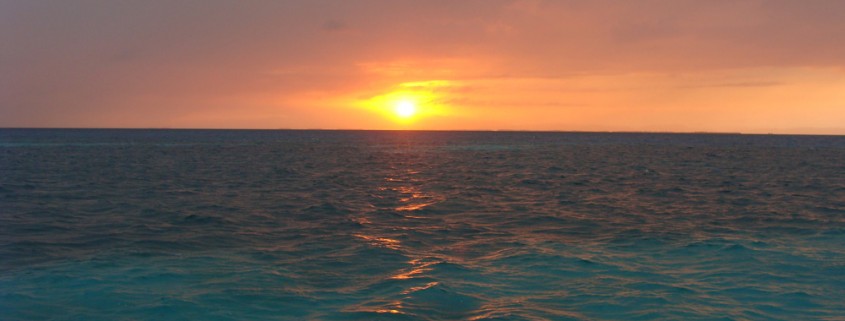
358	225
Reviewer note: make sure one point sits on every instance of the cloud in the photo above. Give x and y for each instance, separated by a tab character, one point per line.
334	26
85	59
735	84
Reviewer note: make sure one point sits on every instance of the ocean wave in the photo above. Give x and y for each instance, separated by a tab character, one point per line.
294	225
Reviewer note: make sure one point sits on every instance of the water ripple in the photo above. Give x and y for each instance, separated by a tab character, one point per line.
228	225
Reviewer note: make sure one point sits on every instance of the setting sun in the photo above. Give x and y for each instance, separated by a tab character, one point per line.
510	159
409	105
405	109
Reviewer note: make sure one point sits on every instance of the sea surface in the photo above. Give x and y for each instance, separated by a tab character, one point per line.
391	225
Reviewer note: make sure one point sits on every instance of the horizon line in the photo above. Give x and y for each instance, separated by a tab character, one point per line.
432	130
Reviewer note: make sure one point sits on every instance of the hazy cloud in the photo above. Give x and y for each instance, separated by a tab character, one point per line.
67	62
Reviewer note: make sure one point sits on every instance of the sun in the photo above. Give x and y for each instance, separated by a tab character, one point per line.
405	109
405	106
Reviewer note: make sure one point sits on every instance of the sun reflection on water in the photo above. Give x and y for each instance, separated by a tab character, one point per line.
420	288
403	193
412	197
380	241
418	267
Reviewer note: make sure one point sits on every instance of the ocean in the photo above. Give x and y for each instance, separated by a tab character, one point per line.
102	224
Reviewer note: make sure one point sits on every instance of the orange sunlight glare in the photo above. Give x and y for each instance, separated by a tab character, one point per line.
406	104
405	109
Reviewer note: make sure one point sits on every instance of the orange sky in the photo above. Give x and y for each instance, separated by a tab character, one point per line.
754	66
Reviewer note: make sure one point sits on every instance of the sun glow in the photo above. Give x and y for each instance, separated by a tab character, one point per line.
409	104
405	109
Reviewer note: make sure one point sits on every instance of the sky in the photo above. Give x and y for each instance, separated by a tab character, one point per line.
750	66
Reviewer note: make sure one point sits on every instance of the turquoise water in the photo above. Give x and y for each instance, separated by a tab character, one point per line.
360	225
